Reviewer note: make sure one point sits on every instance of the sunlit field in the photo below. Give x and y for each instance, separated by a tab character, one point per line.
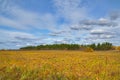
59	65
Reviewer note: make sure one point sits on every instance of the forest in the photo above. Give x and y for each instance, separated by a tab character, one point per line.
99	46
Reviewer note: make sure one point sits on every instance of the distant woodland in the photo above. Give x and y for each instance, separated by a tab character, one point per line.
90	47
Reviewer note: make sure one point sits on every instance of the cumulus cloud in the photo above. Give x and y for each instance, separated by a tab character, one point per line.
75	27
102	34
107	36
11	38
59	33
80	27
100	31
63	41
114	15
100	22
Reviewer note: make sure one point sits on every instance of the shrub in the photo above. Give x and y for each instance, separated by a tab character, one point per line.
118	48
114	48
88	49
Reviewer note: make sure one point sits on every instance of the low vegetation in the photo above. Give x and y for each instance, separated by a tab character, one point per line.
118	48
59	65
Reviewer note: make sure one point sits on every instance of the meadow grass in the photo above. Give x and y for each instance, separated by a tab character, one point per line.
59	65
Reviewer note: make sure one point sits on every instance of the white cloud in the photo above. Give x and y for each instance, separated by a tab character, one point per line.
10	39
77	28
11	23
20	18
71	10
12	35
97	31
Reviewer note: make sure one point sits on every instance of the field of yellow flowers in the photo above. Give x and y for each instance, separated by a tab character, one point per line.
59	65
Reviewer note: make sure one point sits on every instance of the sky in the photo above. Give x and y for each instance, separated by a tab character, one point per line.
39	22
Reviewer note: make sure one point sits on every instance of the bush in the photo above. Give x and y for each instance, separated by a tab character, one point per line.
88	49
114	48
118	48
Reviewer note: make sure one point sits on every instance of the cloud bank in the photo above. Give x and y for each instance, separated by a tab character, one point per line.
70	23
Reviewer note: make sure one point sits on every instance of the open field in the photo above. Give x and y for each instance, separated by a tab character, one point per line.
59	65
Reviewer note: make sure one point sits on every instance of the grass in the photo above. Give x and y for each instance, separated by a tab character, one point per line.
59	65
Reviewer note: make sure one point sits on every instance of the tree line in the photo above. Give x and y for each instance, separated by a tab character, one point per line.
99	46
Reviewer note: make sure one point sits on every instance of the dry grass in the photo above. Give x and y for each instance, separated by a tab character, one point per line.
59	65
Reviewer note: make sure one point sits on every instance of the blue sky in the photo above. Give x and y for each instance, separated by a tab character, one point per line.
35	22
